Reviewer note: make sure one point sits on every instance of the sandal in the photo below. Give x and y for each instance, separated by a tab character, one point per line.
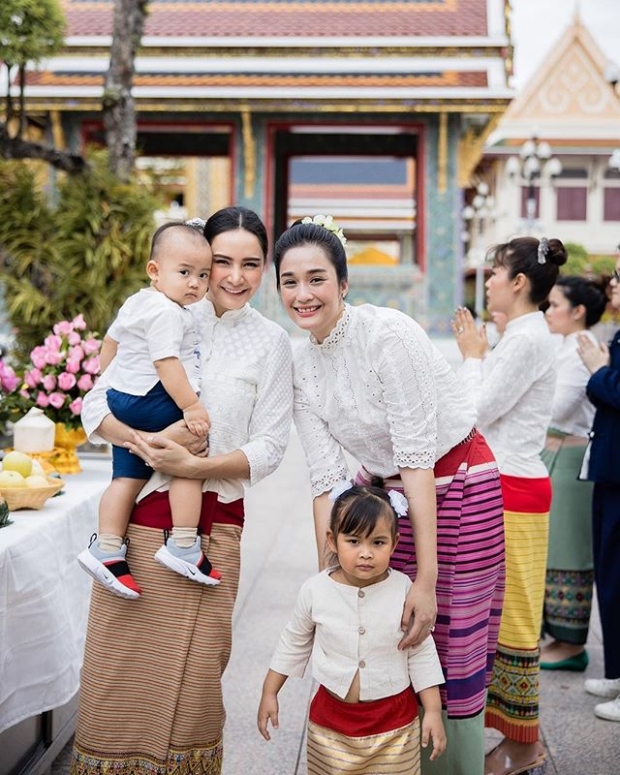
496	762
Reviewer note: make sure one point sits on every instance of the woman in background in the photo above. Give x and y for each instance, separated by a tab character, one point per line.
512	387
575	304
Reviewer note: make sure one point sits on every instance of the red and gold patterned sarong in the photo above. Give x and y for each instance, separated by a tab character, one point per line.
380	737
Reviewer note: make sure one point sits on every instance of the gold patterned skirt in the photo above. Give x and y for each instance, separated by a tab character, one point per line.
381	737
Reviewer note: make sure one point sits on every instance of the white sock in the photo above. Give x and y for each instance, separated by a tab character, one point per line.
184	537
108	542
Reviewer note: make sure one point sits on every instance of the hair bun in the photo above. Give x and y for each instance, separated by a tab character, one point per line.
557	252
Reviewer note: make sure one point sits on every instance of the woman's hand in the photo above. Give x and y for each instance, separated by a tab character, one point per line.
165	455
180	433
593	356
471	341
419	614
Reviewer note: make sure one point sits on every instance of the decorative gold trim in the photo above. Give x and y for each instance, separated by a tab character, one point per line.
471	149
200	107
249	153
442	154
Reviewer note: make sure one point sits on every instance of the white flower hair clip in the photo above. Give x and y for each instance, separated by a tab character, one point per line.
327	222
197	223
543	249
339	488
399	502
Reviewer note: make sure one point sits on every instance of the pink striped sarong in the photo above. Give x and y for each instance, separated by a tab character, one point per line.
471	578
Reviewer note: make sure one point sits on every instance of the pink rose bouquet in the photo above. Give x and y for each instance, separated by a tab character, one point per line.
60	372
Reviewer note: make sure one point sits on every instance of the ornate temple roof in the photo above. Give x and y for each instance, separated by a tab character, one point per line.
284	53
291	18
568	101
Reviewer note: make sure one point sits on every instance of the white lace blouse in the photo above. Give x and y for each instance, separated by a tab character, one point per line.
572	411
378	388
512	388
246	387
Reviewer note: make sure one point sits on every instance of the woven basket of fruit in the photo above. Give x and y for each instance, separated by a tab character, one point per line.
31	497
24	484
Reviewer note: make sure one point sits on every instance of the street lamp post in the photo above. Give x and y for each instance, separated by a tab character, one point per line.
476	216
533	163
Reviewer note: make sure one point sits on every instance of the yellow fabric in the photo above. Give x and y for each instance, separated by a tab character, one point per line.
527	536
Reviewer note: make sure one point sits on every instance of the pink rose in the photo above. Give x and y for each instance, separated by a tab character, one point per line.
23	393
54	357
91	346
53	342
37	356
56	400
75	353
33	377
74	338
49	382
76	406
64	328
79	323
72	366
43	400
85	382
92	365
66	380
8	379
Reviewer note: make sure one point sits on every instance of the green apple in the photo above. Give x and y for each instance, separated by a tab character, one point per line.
11	479
17	461
36	481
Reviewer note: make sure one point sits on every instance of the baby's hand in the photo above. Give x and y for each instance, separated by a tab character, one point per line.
432	728
197	419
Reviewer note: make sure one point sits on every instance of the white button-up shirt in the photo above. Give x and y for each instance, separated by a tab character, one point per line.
350	629
246	387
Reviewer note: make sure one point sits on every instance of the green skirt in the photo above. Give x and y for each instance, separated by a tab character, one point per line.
570	576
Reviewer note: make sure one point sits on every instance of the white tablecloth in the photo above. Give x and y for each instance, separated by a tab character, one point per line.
44	596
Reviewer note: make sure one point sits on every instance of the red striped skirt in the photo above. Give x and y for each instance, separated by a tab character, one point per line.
471	571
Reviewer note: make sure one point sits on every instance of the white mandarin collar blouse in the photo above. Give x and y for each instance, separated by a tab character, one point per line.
572	411
512	388
379	389
246	387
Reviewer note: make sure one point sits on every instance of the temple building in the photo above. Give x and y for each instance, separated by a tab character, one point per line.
569	109
373	111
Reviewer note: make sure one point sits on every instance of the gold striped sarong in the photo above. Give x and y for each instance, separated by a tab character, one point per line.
379	737
389	753
151	694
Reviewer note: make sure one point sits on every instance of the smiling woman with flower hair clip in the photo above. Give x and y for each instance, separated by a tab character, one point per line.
369	381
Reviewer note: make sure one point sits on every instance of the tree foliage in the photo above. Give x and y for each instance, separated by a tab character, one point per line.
30	30
85	252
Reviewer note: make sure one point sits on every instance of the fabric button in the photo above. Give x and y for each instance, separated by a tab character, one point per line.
361	593
361	630
361	663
